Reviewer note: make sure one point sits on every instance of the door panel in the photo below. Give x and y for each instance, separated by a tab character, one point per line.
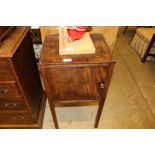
78	83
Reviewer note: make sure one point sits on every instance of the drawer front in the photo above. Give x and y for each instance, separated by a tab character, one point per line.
78	83
12	105
15	118
9	90
5	71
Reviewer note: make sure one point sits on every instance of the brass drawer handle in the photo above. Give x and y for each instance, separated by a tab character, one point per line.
18	118
10	105
102	85
3	91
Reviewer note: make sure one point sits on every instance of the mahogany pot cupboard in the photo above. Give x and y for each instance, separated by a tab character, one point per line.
76	79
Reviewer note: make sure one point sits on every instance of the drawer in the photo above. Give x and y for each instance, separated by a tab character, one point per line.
76	83
15	118
13	105
9	90
5	71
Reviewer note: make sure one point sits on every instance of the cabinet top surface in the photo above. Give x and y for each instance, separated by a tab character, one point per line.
50	52
12	42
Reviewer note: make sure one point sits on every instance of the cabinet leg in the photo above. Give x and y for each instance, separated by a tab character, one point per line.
52	107
98	115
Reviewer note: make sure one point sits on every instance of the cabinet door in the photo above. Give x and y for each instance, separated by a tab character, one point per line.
76	83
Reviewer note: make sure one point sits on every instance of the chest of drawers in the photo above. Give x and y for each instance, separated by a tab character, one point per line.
22	99
76	79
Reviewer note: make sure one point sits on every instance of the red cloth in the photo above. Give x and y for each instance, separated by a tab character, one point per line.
76	32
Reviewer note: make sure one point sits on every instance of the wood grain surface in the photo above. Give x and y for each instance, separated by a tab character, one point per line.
76	78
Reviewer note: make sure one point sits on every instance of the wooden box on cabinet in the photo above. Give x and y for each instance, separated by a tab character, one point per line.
73	79
22	99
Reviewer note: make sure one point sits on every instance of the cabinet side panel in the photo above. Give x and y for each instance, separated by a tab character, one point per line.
25	65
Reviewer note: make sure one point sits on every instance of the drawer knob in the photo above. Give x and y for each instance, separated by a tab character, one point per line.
10	105
102	85
18	118
3	91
